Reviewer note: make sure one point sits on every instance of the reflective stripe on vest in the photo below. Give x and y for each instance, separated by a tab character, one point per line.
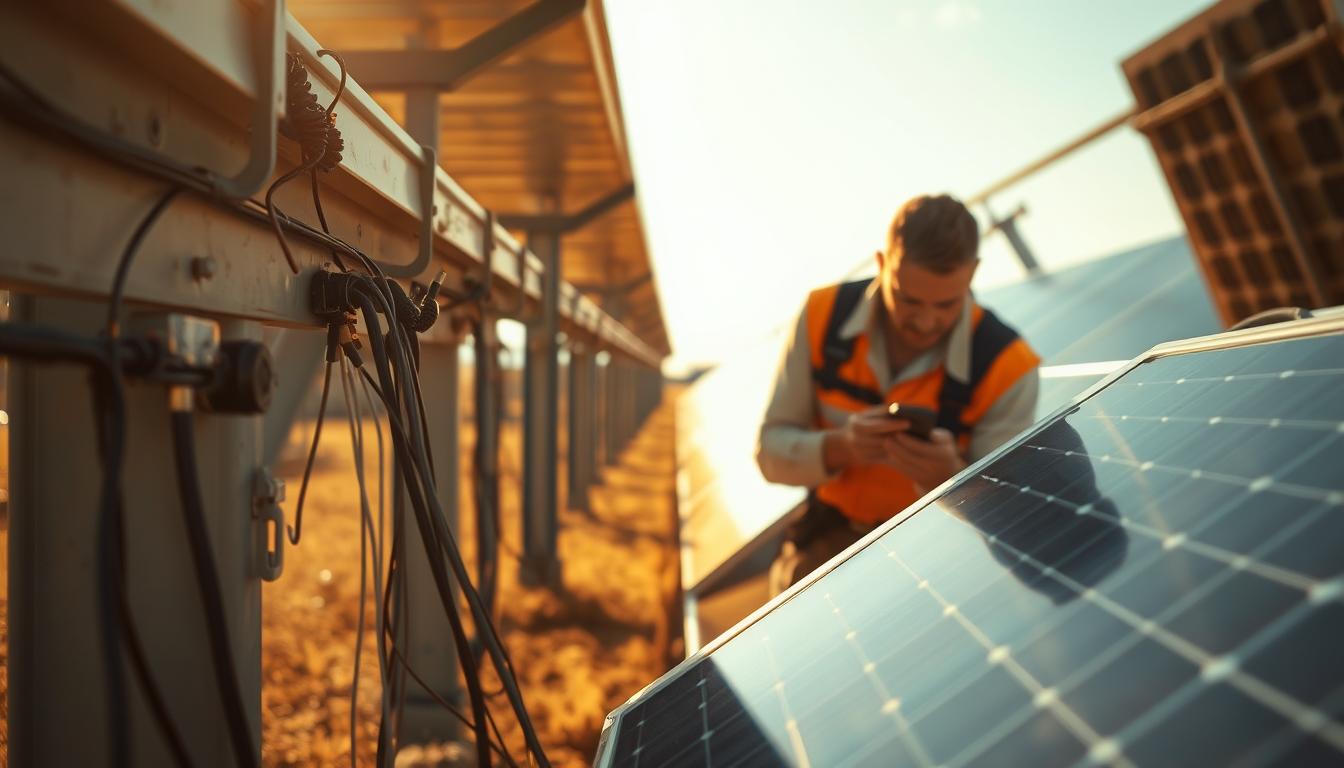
844	385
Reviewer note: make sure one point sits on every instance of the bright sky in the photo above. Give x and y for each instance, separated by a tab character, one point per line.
773	140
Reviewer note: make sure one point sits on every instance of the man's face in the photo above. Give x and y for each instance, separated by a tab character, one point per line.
922	305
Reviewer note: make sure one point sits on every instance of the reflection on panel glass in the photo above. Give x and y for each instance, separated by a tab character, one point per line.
1157	577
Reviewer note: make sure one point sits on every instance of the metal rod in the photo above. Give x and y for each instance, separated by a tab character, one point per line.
540	564
580	428
1072	146
1204	92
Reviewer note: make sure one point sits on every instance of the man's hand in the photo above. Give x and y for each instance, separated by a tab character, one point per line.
865	438
927	462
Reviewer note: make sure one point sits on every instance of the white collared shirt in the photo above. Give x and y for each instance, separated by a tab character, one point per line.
788	447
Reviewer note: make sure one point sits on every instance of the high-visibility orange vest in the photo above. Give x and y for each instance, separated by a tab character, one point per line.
843	380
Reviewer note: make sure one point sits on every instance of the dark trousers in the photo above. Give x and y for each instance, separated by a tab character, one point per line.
821	533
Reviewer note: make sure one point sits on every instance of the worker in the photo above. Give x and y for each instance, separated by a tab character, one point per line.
911	336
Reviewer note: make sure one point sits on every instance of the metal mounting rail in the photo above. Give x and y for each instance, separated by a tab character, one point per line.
180	80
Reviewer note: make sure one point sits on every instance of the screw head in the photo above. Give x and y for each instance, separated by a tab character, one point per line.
204	267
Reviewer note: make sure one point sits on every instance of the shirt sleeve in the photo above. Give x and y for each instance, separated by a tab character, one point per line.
788	447
1011	413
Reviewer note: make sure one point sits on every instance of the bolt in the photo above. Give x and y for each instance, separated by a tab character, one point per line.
203	267
155	130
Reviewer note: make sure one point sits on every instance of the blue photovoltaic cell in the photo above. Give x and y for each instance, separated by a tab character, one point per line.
1157	577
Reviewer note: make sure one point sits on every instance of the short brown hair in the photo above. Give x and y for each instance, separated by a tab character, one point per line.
935	232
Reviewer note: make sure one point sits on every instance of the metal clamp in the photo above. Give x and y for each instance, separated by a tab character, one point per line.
267	494
270	98
428	181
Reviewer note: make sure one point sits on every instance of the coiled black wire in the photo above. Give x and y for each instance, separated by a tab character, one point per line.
314	128
308	122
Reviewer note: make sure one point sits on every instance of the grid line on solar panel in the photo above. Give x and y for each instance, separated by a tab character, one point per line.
1253	484
891	705
1001	656
1241	421
1182	540
1214	669
1112	653
796	742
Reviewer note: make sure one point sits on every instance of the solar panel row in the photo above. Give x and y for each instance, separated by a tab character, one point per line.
1154	577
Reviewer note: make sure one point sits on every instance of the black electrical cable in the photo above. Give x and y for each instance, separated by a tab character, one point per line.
427	528
392	646
390	624
207	581
47	345
443	536
500	657
113	451
507	674
355	419
497	745
376	534
296	530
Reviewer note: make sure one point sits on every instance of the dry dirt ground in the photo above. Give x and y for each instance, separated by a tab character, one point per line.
580	651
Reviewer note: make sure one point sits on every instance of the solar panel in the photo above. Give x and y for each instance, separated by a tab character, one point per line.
1154	576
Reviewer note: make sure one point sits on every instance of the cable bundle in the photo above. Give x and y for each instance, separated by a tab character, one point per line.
396	386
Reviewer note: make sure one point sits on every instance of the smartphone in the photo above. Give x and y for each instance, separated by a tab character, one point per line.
922	420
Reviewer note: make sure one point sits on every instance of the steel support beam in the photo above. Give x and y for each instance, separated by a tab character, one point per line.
612	381
488	385
430	650
449	70
58	711
540	563
602	410
593	398
561	223
581	429
631	414
620	289
373	200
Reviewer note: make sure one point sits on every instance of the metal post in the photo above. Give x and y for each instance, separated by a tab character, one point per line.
640	381
589	447
580	427
627	405
540	565
55	658
612	412
623	406
1008	226
431	652
488	382
297	354
631	403
602	416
